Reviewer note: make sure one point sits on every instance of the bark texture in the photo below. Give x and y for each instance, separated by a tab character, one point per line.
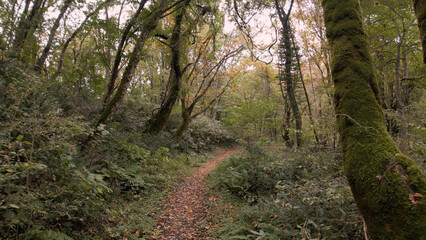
420	9
388	187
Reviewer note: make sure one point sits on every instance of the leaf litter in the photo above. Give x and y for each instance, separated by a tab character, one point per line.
185	212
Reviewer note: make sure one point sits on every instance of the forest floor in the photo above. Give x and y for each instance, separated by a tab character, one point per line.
185	215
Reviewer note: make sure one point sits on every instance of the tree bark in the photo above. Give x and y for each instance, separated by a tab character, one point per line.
388	187
285	133
420	10
158	122
40	62
290	87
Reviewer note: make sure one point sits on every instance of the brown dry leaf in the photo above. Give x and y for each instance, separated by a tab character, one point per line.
418	195
185	213
415	198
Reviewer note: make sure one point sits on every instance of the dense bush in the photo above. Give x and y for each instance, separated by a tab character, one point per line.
248	176
204	133
42	181
294	195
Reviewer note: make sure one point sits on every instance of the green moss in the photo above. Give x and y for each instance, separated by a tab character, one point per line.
382	180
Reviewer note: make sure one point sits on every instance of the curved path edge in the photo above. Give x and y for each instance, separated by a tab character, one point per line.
185	215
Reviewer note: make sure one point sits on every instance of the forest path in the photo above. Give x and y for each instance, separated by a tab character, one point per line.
184	214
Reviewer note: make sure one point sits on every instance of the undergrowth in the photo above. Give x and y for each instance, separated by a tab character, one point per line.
51	189
284	195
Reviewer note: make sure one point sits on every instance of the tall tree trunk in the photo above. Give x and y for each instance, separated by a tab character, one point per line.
404	101
405	84
420	9
186	120
286	125
20	33
305	91
388	187
119	54
147	27
27	25
398	100
288	76
40	62
290	84
158	122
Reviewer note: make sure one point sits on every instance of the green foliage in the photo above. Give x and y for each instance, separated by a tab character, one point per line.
49	188
249	176
291	195
39	179
252	108
38	234
246	119
52	188
204	133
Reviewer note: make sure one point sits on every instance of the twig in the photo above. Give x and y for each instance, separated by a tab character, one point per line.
354	121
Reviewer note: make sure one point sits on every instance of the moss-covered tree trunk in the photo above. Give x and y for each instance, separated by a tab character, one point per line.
290	84
119	54
159	120
420	9
287	76
186	120
388	187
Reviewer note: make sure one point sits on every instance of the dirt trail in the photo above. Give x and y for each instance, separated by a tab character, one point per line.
184	215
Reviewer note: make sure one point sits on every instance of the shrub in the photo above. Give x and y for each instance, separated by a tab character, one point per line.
49	189
250	175
203	134
293	195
